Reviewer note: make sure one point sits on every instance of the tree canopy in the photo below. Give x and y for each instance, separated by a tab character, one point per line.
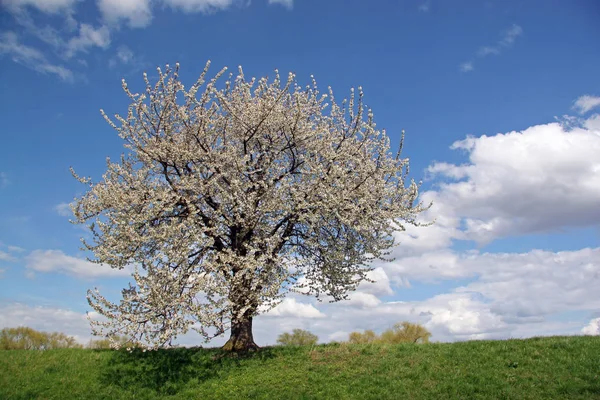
230	197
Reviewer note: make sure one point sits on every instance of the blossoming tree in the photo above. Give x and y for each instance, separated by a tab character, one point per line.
230	197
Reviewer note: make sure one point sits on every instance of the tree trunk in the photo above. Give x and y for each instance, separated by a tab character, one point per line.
241	339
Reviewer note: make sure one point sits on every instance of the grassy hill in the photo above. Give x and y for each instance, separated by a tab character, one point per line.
538	368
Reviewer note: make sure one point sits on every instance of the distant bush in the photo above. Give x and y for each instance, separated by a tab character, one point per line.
404	332
24	338
298	337
106	343
365	337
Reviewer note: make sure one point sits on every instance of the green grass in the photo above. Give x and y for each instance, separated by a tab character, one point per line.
538	368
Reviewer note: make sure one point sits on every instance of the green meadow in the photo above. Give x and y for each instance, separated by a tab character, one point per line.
537	368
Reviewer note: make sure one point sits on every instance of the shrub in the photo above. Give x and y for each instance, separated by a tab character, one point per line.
298	337
404	332
365	337
24	338
106	343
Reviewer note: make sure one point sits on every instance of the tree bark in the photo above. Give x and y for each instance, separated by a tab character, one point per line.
241	339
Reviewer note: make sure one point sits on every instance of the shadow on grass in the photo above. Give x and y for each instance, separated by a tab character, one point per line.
167	371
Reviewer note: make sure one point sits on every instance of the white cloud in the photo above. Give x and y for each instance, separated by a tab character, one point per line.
137	13
380	286
88	37
124	54
592	123
507	286
424	7
203	6
593	328
289	307
11	248
361	299
537	180
63	209
6	257
502	301
57	261
586	103
46	6
508	39
47	319
487	50
466	67
416	240
512	283
289	4
30	57
509	36
462	317
429	267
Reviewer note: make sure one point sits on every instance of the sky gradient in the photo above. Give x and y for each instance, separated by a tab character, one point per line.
500	101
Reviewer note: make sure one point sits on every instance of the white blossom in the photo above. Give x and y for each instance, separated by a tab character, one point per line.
229	195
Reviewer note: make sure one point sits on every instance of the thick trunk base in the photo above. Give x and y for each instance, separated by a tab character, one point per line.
241	339
239	346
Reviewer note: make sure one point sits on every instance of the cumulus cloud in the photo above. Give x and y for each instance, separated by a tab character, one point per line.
514	284
46	6
505	291
592	123
289	4
361	299
136	13
593	328
586	103
379	286
536	180
57	261
289	307
88	37
462	317
30	57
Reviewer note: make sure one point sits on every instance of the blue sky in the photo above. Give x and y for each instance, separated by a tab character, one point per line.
499	100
